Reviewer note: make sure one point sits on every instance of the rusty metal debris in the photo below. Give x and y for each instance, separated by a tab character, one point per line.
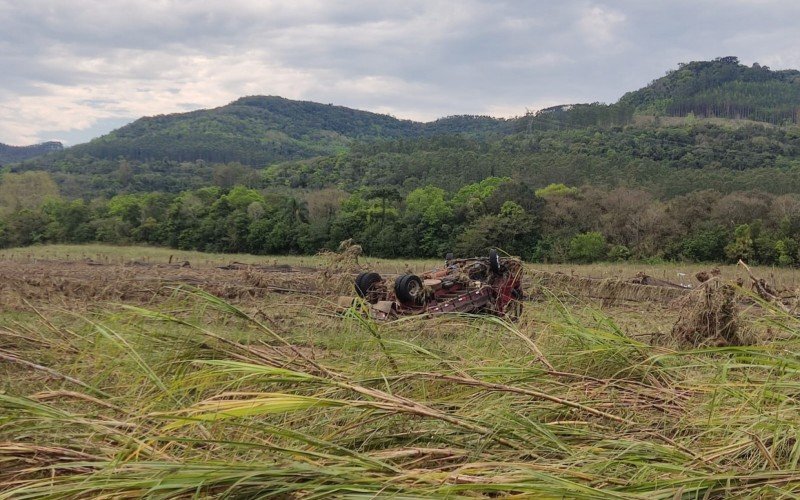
491	285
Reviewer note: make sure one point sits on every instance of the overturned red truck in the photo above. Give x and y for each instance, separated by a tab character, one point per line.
491	285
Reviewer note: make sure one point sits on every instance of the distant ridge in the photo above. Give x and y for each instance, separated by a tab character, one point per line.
262	130
269	140
259	130
12	154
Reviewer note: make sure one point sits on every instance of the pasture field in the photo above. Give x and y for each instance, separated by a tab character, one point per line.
124	374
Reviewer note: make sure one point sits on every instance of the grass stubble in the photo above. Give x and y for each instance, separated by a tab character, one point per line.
199	397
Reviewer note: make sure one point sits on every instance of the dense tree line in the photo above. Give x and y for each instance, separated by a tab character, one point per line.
667	160
259	130
555	223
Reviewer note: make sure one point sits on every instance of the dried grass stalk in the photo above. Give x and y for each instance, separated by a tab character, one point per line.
710	317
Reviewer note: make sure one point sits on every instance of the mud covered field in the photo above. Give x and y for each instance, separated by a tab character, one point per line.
133	373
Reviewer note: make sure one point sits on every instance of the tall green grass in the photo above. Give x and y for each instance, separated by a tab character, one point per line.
202	398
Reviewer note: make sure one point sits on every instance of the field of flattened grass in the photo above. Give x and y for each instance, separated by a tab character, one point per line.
190	395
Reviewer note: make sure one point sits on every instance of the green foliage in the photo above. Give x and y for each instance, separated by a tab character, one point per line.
556	189
259	130
428	204
513	230
787	250
705	245
587	247
666	160
589	225
26	190
24	227
742	245
619	253
571	116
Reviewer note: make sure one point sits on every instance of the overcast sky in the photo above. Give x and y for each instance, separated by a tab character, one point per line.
73	70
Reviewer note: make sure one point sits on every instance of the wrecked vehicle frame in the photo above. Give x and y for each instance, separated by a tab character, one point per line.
491	285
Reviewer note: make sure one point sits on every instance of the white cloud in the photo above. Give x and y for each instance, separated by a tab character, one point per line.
541	60
70	66
599	25
139	84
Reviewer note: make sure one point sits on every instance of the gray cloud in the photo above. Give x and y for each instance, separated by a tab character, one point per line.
73	70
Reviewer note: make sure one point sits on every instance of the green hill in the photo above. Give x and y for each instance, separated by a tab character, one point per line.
13	154
311	145
722	88
260	130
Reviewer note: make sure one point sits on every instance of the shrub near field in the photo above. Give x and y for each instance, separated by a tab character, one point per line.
195	396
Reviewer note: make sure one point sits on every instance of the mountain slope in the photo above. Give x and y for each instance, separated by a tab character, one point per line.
263	130
260	130
312	145
12	154
722	88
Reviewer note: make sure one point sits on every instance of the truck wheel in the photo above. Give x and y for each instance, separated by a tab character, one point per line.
494	261
366	283
408	289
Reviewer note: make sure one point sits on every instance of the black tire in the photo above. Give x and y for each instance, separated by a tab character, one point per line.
357	281
365	282
494	261
408	289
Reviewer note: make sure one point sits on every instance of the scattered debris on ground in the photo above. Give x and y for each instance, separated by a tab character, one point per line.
710	317
704	276
767	293
641	288
645	279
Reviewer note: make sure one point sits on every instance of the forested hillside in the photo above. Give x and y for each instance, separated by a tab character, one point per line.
667	161
672	171
722	88
259	130
13	154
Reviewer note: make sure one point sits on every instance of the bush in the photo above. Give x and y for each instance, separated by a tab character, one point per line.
619	253
587	247
705	246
